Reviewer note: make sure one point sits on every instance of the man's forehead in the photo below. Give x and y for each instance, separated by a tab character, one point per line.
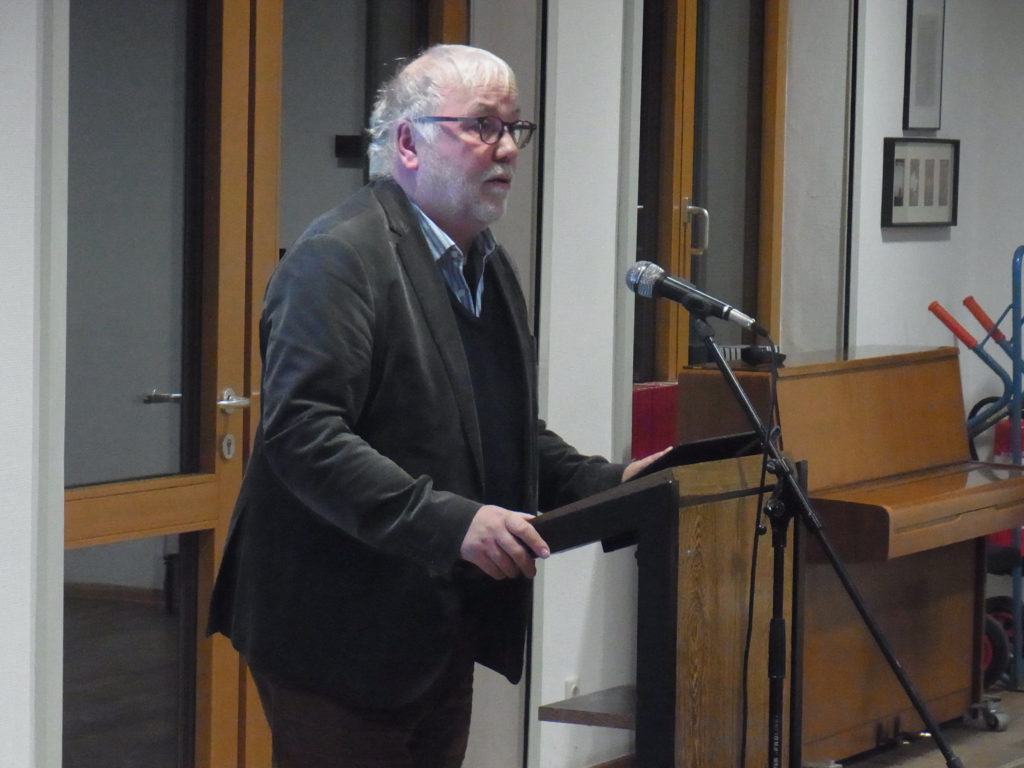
483	99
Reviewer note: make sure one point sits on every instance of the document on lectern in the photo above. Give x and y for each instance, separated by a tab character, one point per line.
710	449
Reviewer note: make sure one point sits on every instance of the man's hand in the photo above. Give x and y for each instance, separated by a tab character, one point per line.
502	544
639	465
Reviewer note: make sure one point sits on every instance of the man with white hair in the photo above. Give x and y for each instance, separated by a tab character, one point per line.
381	545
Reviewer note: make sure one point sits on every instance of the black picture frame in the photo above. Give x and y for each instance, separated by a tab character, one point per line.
920	182
922	83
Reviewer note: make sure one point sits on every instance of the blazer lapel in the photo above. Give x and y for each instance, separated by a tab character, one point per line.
432	294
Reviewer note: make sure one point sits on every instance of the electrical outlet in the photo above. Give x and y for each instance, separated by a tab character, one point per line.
572	686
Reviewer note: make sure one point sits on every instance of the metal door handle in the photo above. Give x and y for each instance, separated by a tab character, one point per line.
229	401
161	397
705	231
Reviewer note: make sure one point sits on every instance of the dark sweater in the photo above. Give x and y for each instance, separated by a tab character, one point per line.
500	395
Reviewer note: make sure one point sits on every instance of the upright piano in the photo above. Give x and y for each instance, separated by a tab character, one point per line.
889	471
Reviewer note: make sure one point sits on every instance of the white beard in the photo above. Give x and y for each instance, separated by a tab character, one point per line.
454	197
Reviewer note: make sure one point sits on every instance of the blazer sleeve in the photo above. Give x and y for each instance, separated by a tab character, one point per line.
566	475
318	337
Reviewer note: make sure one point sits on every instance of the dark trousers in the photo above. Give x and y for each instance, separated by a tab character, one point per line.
314	731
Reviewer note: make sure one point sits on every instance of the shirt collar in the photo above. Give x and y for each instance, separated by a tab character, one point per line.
440	243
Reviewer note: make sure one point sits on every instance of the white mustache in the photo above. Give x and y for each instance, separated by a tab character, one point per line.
499	172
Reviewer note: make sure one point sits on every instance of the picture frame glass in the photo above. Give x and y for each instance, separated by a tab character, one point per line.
921	179
922	96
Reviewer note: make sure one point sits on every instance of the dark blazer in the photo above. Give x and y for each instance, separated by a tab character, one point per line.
341	572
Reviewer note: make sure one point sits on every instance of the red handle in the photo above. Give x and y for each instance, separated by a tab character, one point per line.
983	318
950	322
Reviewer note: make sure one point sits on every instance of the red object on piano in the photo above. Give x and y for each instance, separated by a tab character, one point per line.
655	417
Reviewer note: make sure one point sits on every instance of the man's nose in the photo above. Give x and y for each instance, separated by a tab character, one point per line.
506	149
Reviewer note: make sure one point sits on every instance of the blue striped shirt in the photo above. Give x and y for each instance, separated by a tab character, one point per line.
451	261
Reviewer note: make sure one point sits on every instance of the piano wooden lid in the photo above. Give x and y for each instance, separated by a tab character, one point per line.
891	517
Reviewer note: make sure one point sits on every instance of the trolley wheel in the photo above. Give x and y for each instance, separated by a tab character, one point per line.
997	721
986	715
1000	608
995	653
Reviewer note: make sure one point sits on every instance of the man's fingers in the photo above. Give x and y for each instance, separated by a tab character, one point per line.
490	566
527	535
638	466
511	564
519	556
503	544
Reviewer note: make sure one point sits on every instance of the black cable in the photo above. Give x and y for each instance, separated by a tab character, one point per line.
974	412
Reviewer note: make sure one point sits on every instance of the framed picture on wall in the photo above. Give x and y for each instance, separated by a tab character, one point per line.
922	84
920	178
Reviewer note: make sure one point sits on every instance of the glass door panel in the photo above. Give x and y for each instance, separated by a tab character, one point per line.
336	54
130	237
129	663
727	157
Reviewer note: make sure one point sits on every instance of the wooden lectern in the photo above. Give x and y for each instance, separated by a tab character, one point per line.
694	528
883	434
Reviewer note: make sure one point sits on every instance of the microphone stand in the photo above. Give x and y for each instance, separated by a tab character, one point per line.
789	499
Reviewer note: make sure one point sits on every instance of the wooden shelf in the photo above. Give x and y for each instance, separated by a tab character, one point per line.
611	708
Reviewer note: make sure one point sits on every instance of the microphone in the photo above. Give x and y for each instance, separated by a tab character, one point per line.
650	280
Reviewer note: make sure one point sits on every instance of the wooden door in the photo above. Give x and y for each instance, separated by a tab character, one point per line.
227	201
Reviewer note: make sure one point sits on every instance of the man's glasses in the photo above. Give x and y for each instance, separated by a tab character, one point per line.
491	128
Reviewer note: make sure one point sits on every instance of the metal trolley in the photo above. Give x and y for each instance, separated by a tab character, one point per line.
1005	410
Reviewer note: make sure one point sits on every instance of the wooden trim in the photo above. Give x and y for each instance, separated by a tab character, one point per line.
267	57
119	593
679	93
773	131
170	482
108	513
448	21
227	241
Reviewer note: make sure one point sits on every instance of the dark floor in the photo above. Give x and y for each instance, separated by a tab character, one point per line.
976	747
120	684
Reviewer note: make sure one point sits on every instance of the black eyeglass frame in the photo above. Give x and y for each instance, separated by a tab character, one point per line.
523	127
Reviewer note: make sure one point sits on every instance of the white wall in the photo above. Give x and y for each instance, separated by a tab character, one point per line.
585	600
322	87
31	379
814	185
897	273
512	31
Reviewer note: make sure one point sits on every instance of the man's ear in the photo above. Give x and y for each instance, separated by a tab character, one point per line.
408	155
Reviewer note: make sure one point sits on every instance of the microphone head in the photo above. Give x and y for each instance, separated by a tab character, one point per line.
640	278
